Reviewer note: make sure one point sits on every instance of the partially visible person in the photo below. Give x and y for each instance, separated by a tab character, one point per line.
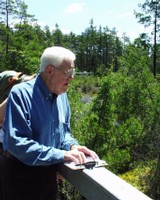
2	112
8	78
37	131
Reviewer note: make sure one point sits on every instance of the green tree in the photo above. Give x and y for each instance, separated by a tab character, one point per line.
7	9
151	16
58	36
11	12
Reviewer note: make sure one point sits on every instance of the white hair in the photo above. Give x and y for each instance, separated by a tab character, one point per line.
55	56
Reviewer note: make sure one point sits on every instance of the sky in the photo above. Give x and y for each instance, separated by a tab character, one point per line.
75	15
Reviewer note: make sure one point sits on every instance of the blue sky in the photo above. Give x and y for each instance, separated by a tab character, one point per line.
72	15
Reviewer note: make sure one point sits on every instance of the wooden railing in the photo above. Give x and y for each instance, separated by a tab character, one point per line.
101	184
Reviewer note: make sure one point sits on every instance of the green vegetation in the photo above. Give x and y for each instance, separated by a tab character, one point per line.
115	111
138	177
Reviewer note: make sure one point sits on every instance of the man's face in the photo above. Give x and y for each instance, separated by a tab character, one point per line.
60	77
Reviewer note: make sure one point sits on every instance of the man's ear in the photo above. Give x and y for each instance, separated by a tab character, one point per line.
49	70
15	78
12	79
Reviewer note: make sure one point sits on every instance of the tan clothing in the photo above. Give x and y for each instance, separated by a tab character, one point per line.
2	111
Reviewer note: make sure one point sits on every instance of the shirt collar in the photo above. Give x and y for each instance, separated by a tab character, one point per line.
47	94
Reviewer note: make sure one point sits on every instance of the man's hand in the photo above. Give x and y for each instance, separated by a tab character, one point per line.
86	151
78	154
75	156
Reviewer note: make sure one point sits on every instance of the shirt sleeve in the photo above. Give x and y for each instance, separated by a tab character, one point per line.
18	135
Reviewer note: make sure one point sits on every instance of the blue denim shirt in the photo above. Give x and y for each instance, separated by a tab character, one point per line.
37	124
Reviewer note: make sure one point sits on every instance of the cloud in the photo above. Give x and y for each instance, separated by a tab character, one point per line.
65	30
125	15
75	7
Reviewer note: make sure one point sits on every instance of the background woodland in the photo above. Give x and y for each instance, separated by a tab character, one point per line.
116	109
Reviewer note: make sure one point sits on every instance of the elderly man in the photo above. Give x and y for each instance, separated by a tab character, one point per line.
37	131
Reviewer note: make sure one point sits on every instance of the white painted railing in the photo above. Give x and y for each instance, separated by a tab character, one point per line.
101	184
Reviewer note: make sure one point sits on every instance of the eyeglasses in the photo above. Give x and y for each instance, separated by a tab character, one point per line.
70	73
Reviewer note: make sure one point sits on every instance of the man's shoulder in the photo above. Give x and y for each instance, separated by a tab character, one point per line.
63	96
23	87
